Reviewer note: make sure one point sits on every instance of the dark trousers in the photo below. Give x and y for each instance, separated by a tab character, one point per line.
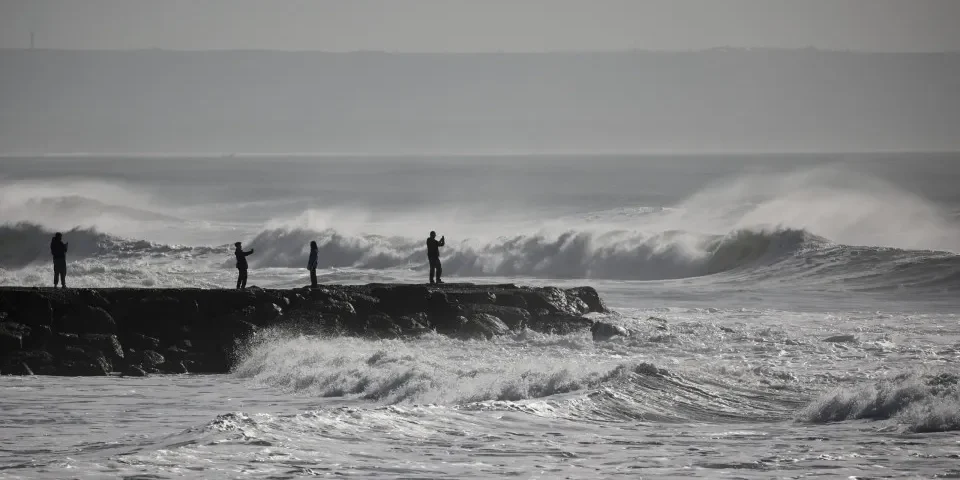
242	278
435	267
59	271
313	277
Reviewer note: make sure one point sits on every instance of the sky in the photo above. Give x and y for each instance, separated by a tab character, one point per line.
482	25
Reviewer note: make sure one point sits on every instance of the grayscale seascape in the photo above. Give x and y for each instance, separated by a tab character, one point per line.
714	239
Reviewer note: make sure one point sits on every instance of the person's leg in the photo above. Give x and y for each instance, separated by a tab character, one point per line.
239	278
313	277
244	279
439	271
60	273
433	269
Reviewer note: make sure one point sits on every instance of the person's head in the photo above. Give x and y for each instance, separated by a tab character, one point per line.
433	234
58	235
313	245
237	244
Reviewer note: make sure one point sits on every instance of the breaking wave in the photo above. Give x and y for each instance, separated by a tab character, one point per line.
586	254
27	243
616	254
504	373
922	403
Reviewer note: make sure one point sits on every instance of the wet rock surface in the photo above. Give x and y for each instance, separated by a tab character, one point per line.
46	331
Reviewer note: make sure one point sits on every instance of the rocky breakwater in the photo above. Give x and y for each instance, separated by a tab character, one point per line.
140	331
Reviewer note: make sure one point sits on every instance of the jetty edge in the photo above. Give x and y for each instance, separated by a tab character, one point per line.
138	331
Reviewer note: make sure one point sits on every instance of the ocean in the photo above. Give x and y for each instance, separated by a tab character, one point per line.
790	316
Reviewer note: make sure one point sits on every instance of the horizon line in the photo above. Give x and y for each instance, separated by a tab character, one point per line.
717	49
228	155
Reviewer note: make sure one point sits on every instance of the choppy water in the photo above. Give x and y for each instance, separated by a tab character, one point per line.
730	273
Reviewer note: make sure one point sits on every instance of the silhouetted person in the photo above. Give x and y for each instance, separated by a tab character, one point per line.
59	251
312	263
433	254
241	265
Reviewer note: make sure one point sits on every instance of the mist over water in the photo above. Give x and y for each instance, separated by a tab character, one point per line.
729	274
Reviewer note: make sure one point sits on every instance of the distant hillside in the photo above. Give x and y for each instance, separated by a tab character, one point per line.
259	101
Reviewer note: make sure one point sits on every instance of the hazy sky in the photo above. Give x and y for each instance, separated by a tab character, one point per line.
481	25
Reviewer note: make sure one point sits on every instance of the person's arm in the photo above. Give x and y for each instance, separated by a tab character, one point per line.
441	241
65	247
248	253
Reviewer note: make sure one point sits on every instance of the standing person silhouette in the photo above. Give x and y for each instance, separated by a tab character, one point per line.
312	263
433	254
241	266
59	251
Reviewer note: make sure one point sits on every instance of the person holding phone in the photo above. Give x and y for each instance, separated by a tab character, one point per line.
58	248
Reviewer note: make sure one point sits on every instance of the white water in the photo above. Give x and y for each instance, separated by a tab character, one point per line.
729	280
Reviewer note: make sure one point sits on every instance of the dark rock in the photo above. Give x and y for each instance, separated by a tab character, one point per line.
605	331
416	321
380	321
38	337
97	366
38	361
590	297
160	317
58	342
96	320
340	308
84	361
296	299
92	298
29	308
140	341
16	368
561	324
440	305
474	296
364	304
266	313
174	354
511	299
12	335
174	366
108	344
555	300
380	325
515	318
239	330
401	299
481	325
207	362
134	371
149	359
202	330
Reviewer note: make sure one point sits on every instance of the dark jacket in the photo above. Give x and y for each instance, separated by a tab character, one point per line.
312	263
242	258
58	249
433	247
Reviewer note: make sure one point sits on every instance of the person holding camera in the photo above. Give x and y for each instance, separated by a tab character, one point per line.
433	254
241	265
